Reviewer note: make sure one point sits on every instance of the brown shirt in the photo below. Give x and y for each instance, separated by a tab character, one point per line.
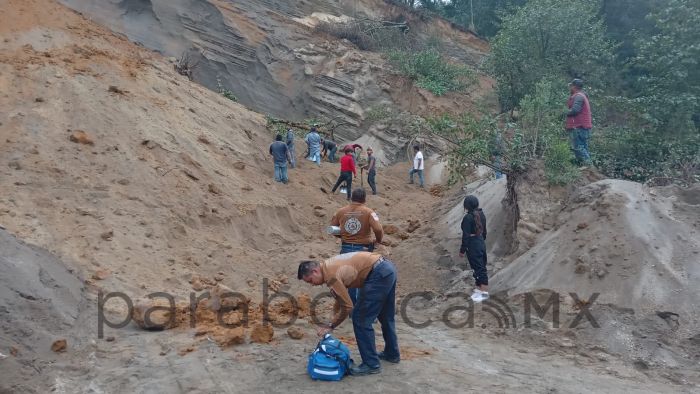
345	271
357	221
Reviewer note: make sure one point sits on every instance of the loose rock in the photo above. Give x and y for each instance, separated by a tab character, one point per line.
81	137
262	333
295	332
59	346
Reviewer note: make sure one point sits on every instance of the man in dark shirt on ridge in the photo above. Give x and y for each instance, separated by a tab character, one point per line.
280	155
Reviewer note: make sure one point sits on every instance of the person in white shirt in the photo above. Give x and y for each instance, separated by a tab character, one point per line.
418	165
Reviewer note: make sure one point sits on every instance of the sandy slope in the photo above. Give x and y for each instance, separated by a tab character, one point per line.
177	184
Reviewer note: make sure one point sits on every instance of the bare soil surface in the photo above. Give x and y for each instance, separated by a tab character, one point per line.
119	175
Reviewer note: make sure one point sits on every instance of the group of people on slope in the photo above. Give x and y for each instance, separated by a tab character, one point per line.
283	154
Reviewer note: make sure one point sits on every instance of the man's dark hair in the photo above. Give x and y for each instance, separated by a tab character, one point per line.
359	195
577	82
305	268
278	137
416	147
313	129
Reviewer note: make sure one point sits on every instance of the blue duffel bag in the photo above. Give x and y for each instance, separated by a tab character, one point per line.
330	361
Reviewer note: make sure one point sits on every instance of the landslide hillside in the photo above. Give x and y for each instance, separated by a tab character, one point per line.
269	55
120	175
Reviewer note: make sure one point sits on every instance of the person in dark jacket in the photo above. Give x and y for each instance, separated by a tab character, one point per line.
474	245
280	156
328	149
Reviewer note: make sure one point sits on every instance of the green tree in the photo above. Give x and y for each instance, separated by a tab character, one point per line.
670	65
482	16
549	39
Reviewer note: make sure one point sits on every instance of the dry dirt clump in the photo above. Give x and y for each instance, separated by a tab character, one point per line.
262	333
81	137
438	190
158	313
413	225
390	229
59	346
295	332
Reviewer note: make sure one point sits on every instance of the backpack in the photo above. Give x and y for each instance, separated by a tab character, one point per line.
330	361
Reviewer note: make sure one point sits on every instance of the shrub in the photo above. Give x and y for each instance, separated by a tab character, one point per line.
225	92
640	154
431	71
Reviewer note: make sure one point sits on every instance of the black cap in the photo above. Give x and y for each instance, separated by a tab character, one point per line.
577	82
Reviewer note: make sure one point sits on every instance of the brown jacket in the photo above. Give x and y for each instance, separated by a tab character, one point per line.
345	271
357	221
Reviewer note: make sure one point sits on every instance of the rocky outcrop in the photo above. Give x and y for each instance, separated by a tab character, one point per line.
267	54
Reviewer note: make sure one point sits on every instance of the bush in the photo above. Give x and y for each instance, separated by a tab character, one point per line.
378	113
225	92
558	164
369	35
431	71
641	154
348	31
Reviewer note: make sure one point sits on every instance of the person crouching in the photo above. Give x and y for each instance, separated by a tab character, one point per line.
376	277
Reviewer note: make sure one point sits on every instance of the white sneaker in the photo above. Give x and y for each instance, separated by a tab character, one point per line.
480	296
476	291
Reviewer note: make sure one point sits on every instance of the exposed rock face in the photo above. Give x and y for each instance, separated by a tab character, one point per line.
267	54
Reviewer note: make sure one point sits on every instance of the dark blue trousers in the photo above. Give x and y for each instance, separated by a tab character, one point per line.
377	300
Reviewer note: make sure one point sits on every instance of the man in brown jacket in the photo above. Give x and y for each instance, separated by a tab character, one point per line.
375	277
357	222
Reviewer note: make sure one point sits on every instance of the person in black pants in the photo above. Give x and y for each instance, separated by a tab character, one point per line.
347	171
371	168
474	245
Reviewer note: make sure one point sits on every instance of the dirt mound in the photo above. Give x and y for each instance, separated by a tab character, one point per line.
635	249
618	239
40	300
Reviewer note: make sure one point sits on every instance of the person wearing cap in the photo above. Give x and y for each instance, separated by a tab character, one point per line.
347	171
357	222
375	277
371	168
313	140
579	121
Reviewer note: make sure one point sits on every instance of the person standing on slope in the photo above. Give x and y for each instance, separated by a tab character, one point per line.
290	148
579	121
418	165
474	245
280	156
357	222
347	171
313	140
371	168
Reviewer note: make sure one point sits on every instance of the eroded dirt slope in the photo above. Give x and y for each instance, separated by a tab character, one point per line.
267	53
128	177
